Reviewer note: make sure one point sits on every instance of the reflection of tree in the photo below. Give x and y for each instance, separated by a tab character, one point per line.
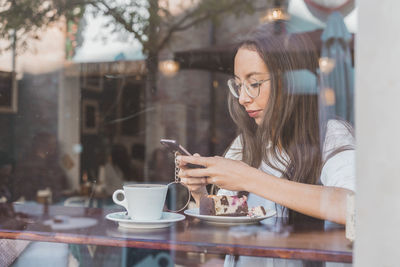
150	22
28	18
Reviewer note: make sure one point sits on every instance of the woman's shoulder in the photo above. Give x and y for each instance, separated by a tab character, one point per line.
338	134
113	170
339	128
235	149
339	156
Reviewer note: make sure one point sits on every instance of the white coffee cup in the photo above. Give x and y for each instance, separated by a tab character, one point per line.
142	201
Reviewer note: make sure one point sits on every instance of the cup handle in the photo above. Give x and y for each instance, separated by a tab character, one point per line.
122	203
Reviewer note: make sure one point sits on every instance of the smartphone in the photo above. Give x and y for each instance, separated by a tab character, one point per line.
174	146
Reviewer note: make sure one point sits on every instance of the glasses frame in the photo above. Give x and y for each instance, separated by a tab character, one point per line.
243	84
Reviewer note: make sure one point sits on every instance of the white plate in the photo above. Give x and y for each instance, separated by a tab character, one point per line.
228	219
124	221
69	223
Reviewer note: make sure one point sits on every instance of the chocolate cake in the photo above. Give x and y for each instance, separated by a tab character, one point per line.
223	205
258	211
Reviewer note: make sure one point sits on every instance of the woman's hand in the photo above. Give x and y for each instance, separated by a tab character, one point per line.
196	185
225	173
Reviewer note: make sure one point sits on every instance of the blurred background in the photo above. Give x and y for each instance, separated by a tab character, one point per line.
88	90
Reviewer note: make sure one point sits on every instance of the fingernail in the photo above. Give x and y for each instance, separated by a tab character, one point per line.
178	158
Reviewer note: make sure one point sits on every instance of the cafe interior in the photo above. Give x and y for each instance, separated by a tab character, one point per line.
86	99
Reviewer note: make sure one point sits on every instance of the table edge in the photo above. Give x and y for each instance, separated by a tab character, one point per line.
215	248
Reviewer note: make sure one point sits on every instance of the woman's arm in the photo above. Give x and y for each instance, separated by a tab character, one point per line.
324	202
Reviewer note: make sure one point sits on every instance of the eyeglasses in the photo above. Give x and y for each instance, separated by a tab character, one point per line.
252	87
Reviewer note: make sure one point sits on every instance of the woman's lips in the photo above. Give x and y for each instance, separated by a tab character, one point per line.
253	113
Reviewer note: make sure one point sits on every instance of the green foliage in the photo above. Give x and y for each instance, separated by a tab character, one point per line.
28	17
148	21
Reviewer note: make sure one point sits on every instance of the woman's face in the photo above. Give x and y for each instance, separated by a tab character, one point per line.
250	66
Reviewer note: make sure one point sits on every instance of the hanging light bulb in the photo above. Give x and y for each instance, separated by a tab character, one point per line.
215	84
276	13
169	67
329	96
326	64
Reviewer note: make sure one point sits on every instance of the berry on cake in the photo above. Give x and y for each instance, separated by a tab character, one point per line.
228	206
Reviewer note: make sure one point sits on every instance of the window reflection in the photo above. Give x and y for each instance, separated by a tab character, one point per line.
85	100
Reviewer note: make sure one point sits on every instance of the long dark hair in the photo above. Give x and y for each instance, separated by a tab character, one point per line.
292	121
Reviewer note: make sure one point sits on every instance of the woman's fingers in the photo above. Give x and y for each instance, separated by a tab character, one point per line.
199	180
195	185
203	161
194	181
211	173
211	180
200	172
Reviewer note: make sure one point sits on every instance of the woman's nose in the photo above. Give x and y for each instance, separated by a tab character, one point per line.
244	97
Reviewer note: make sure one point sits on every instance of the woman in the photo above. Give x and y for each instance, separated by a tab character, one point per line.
118	169
283	155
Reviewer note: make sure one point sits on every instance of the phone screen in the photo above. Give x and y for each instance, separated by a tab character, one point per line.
173	146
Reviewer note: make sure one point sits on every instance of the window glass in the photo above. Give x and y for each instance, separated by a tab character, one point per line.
88	90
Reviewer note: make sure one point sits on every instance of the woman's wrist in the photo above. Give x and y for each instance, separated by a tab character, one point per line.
253	183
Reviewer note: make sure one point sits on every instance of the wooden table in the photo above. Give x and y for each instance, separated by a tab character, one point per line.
274	239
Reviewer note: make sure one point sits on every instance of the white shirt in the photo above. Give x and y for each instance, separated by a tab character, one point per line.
338	171
114	178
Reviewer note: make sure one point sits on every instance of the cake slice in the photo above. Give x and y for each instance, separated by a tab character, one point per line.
224	205
258	211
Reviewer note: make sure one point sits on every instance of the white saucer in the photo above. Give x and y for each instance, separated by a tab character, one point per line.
166	220
69	223
227	219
